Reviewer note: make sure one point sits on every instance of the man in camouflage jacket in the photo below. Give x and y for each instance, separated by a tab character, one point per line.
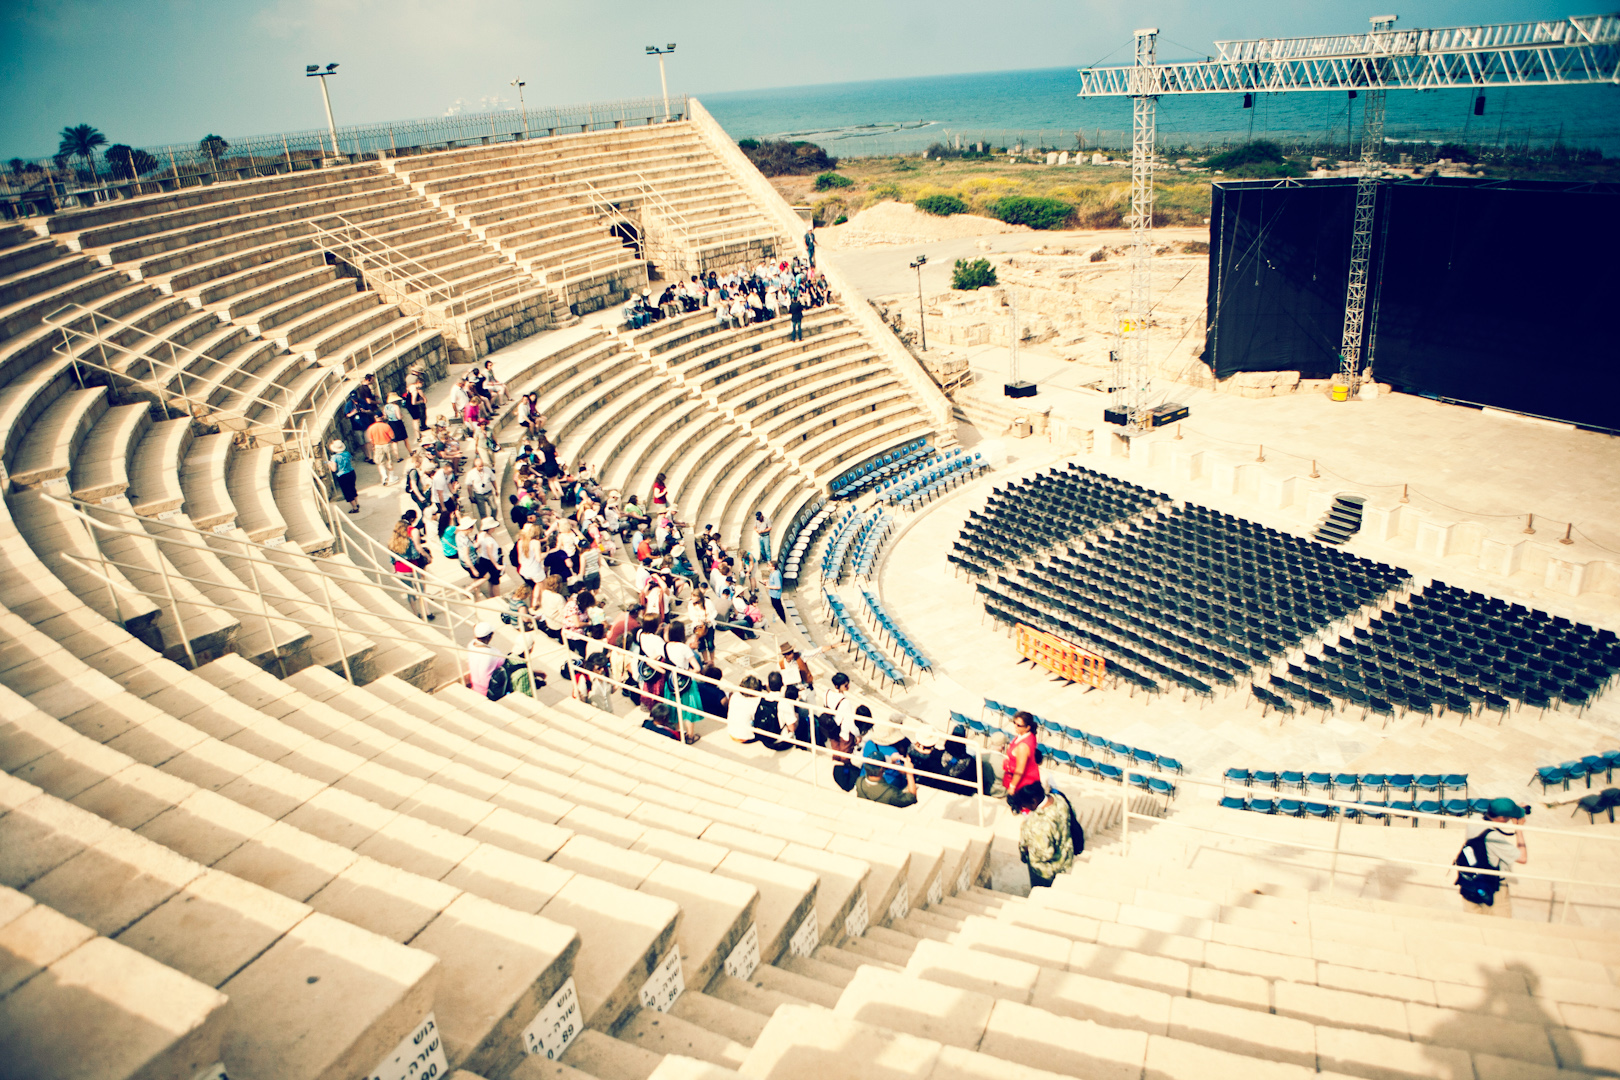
1045	842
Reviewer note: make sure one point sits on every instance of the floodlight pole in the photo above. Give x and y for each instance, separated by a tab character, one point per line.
326	99
922	324
520	84
654	50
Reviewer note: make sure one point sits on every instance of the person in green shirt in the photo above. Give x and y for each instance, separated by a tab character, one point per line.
1045	841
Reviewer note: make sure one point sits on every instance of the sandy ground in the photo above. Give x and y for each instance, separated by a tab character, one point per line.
890	223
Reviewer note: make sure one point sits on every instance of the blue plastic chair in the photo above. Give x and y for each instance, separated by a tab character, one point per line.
1232	802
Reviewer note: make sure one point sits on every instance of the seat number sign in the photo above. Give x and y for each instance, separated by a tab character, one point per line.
556	1025
742	961
666	985
419	1056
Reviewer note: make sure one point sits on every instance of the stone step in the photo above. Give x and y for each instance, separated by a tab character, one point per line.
250	944
667	1033
70	997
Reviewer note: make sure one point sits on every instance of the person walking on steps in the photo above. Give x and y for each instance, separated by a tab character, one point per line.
810	245
1021	766
1046	834
343	473
774	588
1492	846
796	313
380	437
762	528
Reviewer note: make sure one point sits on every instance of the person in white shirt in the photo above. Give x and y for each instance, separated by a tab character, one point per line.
439	485
487	554
481	488
1505	847
740	709
482	658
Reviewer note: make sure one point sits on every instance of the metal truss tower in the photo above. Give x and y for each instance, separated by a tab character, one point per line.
1548	52
1351	366
1138	369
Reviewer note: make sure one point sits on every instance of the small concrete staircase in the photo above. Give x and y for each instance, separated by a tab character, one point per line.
1343	520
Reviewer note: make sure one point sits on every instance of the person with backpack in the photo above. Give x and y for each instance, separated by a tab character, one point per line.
886	775
1049	836
482	658
1492	847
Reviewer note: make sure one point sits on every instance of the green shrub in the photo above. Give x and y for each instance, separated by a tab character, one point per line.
1258	160
976	274
782	158
1037	213
841	219
829	180
941	205
886	190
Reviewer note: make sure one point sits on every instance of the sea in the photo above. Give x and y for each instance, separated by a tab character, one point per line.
1038	108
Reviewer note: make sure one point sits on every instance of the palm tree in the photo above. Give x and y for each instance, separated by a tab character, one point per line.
128	163
81	140
214	147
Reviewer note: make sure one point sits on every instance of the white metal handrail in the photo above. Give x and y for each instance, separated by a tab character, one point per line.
458	610
173	370
383	261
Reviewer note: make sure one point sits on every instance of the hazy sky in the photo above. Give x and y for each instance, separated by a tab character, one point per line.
158	71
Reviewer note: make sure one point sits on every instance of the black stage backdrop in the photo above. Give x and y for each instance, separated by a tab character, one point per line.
1500	293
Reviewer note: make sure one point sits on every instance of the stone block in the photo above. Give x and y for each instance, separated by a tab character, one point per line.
328	999
928	1010
1586	1051
954	965
806	1043
1255	962
1059	1044
106	1010
1382	984
214	927
497	968
1481	1033
1340	1008
1083	997
1174	1059
35	940
1137	969
1228	988
1243	1031
1379	1057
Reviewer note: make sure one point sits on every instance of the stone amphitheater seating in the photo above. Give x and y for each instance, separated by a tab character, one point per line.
214	846
737	420
546	204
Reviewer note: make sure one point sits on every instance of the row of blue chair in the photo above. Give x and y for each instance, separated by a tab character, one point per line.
854	481
1075	739
1371	810
843	624
908	650
838	542
870	542
1587	767
921	485
1352	786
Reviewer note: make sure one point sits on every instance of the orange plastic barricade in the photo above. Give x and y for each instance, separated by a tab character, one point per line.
1061	658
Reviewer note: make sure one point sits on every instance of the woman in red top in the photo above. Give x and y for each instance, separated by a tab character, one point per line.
1020	766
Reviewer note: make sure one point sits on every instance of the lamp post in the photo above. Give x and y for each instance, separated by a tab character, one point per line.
520	84
654	50
922	325
313	71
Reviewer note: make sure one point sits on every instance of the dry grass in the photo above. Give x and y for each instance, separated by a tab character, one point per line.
1100	194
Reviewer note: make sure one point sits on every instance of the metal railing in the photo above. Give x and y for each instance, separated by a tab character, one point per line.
406	281
174	371
1336	848
255	602
165	168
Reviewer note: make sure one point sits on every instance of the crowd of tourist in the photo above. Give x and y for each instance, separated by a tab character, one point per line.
740	299
647	637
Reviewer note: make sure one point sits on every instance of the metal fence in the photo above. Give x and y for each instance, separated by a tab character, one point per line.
40	185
